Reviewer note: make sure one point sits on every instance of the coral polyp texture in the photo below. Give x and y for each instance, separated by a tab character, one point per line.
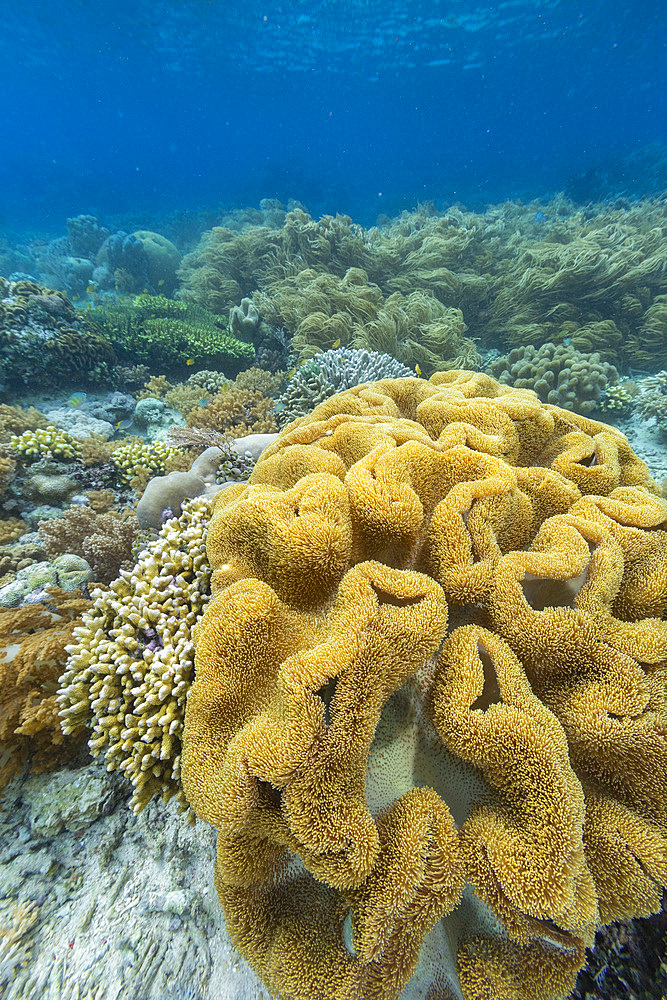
130	664
428	714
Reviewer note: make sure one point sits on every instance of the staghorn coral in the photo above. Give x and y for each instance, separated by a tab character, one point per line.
32	656
434	657
131	661
559	374
104	540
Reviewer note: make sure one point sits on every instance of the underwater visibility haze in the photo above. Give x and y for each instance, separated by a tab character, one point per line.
333	518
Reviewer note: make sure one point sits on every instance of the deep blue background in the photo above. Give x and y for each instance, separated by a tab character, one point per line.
141	106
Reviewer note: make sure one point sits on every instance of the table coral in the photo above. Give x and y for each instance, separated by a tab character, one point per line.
428	715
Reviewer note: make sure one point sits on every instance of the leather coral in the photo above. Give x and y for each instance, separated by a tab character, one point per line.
428	715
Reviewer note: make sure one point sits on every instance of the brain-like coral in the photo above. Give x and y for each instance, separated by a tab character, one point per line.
428	714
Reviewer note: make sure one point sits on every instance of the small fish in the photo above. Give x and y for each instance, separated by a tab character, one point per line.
567	341
91	288
161	281
336	343
76	399
539	217
278	407
122	425
203	402
418	369
189	362
291	372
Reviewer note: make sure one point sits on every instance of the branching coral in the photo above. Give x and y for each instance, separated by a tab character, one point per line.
330	372
131	660
134	457
32	656
104	540
46	442
434	657
237	412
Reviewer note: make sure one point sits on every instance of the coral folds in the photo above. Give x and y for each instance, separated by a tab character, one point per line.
428	715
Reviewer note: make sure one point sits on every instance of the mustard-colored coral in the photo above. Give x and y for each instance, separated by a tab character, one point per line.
32	656
434	658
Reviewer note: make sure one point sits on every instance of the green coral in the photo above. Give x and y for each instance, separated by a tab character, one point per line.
45	443
166	332
132	662
559	374
619	399
129	458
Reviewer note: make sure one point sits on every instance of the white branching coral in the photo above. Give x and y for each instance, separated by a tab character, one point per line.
130	669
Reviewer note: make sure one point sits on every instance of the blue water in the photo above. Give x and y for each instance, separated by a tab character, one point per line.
133	107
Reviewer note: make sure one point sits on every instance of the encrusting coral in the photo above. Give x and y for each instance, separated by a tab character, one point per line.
434	657
132	658
32	656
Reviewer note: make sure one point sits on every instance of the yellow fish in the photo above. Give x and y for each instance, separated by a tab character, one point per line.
161	281
91	288
418	369
189	361
336	343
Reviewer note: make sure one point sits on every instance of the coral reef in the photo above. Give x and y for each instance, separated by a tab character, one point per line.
43	337
132	659
325	374
559	374
32	656
14	420
163	260
597	277
434	657
237	412
210	381
45	443
135	457
104	540
164	333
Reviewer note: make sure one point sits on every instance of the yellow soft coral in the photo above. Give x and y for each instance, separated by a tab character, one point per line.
434	657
